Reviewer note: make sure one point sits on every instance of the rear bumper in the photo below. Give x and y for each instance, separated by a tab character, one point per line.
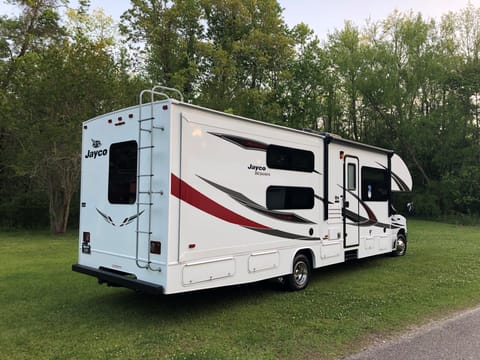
118	279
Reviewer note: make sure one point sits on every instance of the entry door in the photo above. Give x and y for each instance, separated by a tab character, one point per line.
351	201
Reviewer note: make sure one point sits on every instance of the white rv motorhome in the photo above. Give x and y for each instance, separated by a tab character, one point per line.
176	197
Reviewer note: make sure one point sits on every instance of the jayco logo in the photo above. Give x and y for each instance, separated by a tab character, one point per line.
96	153
259	170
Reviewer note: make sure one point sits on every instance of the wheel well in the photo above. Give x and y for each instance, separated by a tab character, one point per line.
402	232
309	254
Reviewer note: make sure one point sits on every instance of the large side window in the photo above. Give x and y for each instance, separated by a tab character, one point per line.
289	197
374	184
285	158
122	174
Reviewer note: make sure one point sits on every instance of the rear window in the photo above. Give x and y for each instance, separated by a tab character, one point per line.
122	173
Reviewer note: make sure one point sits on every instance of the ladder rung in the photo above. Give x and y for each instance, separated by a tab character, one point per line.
148	119
147	201
150	192
158	127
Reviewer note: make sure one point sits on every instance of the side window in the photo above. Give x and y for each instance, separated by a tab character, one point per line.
122	173
374	184
351	177
289	197
285	158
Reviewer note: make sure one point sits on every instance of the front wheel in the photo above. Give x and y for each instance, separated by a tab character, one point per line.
300	276
401	248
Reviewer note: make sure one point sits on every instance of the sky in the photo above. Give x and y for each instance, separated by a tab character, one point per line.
323	16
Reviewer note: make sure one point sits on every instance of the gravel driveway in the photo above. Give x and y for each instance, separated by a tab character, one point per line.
455	338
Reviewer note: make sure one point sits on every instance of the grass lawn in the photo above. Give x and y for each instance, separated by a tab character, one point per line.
49	312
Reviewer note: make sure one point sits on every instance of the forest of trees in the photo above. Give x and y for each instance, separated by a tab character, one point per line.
407	83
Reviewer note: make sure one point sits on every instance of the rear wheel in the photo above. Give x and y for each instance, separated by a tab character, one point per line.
300	276
401	248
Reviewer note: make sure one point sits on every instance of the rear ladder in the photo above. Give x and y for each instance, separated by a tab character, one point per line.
145	191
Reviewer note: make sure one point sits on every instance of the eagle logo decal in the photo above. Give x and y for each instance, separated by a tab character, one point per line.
96	143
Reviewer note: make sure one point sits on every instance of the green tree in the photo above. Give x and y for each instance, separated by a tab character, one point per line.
20	37
221	54
165	38
346	53
306	102
248	52
55	87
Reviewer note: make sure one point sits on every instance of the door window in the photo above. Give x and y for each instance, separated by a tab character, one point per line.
351	177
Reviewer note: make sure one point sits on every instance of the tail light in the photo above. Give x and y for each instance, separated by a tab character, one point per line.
86	243
155	247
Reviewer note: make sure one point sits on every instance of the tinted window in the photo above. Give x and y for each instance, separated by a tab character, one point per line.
374	184
286	197
279	157
122	174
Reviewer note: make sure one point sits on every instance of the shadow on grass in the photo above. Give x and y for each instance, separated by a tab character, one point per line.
204	302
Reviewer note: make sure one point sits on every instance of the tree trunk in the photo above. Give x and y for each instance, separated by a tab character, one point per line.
419	167
62	181
59	210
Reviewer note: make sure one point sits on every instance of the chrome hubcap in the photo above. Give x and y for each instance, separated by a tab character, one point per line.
400	246
301	273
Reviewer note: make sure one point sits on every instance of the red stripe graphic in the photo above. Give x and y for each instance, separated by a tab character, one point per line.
185	192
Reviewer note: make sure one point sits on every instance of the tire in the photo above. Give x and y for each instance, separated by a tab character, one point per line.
300	276
401	248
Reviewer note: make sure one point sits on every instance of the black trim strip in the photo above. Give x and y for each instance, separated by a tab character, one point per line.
245	143
369	211
355	144
326	142
400	183
322	199
250	204
363	221
287	235
389	187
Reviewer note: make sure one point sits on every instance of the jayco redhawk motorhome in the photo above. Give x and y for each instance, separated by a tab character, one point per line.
175	198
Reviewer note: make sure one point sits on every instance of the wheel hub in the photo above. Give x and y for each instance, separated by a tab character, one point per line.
301	273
